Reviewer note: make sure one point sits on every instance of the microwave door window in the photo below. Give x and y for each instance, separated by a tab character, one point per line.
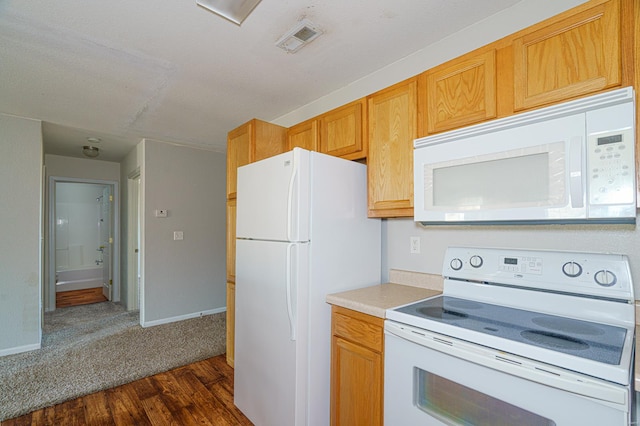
515	181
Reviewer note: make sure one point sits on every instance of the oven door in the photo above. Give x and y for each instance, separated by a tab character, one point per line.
432	379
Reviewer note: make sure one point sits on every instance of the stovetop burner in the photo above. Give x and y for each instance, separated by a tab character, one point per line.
593	341
554	340
440	313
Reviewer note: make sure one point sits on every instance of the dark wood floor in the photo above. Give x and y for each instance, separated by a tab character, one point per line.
79	297
197	394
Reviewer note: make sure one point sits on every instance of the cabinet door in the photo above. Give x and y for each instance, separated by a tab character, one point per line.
231	240
231	321
392	126
303	135
573	57
461	92
239	153
357	380
269	140
342	131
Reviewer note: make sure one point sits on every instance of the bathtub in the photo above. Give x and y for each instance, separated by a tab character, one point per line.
77	279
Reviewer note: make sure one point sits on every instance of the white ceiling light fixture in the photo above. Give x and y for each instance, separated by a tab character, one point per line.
235	11
303	33
90	151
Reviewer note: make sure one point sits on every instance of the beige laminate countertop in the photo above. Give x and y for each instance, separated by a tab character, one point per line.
375	300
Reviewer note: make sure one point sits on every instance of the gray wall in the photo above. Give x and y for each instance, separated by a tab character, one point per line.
81	168
20	215
624	239
188	277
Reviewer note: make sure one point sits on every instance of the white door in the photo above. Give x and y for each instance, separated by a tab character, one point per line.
267	388
104	225
273	198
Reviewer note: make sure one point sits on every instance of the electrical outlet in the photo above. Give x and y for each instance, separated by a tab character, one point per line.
414	245
178	235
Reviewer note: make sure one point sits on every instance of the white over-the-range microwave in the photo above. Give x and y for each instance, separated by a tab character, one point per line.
567	163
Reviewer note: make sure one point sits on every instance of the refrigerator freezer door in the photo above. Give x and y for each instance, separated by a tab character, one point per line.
273	198
270	384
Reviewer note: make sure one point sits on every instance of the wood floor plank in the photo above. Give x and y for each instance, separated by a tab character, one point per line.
96	409
216	414
157	411
200	393
70	413
124	409
174	398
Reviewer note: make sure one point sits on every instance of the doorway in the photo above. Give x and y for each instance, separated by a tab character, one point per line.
83	243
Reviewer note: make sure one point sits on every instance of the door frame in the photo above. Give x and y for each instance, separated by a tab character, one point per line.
134	240
51	208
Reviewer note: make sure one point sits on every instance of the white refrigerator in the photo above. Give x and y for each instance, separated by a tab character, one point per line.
302	233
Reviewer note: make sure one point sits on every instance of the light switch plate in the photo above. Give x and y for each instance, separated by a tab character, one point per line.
161	213
178	235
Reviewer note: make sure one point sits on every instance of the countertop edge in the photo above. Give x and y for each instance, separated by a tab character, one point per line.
375	300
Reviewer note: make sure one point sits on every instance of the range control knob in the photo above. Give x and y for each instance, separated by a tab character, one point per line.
456	264
605	278
572	269
475	261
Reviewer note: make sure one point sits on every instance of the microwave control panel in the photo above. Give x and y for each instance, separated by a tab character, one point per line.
610	162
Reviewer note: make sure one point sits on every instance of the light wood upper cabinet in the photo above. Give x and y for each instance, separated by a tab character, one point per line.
392	129
357	368
253	141
304	135
239	153
343	131
461	92
576	56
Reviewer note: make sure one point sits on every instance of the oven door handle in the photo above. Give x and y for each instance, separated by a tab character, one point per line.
524	368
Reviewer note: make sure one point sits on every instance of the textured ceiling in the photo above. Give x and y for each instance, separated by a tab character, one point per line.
125	70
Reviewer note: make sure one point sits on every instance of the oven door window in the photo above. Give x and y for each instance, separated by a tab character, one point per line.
456	404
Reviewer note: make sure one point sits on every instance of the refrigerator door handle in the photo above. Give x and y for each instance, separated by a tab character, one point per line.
290	313
292	181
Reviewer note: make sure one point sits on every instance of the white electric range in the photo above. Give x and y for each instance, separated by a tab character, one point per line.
522	337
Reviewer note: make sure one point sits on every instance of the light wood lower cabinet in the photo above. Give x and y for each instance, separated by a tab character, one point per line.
231	321
357	363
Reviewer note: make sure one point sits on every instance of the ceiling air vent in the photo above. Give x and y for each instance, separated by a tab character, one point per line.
303	33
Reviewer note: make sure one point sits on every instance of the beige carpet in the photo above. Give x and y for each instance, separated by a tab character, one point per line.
93	347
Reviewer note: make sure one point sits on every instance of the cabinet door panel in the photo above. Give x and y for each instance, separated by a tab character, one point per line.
392	129
357	384
238	154
341	131
303	135
231	240
576	56
461	93
231	321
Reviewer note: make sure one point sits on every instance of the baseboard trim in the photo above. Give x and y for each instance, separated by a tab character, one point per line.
146	324
19	349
